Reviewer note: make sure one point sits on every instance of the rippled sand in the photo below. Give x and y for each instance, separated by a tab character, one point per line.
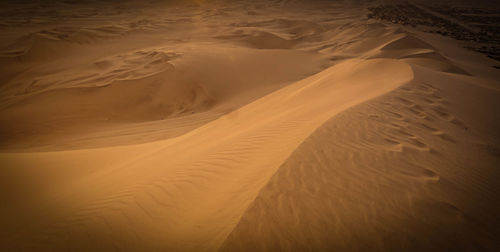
252	126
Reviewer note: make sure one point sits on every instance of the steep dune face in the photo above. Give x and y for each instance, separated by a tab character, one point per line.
404	162
263	126
231	158
411	170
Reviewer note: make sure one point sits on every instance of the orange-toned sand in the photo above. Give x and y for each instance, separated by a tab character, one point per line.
263	126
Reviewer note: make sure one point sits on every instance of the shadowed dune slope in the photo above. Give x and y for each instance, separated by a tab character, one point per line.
401	172
242	126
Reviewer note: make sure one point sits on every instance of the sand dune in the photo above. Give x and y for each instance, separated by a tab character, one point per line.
263	126
394	163
230	157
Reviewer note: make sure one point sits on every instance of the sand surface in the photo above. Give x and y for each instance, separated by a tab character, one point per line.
242	126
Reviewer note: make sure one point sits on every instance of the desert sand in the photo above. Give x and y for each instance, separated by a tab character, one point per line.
243	126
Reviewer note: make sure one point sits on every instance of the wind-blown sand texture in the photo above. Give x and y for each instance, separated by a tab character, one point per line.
242	126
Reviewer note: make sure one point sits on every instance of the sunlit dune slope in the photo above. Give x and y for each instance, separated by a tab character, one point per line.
249	126
198	184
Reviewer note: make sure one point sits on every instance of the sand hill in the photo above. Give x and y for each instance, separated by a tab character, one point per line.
249	126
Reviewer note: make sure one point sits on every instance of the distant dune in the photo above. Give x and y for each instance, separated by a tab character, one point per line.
242	126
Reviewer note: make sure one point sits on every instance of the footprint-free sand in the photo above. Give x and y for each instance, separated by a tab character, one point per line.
242	126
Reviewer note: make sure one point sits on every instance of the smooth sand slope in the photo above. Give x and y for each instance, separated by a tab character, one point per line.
276	125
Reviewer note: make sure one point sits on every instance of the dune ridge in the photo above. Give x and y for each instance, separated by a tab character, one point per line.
392	163
224	165
258	126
